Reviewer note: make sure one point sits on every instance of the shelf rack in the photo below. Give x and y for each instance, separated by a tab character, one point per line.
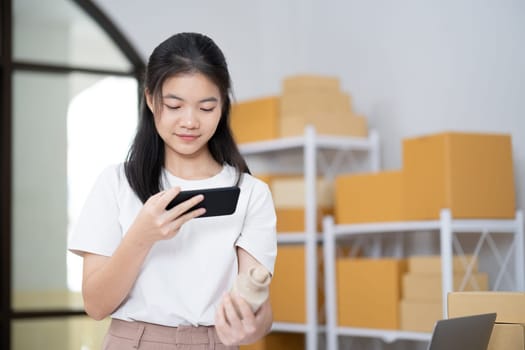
448	229
314	161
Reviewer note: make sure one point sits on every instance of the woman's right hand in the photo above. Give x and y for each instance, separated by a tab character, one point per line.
154	222
108	280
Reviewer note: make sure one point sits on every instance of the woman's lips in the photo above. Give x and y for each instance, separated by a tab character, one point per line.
187	137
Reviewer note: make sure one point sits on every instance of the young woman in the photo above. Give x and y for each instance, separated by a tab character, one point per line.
164	275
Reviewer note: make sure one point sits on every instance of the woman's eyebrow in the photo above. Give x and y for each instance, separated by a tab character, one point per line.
175	97
209	99
172	96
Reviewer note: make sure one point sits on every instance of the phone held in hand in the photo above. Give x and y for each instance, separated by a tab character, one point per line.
217	201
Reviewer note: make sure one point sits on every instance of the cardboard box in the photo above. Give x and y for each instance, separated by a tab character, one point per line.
420	316
507	336
290	192
288	287
278	341
289	218
255	120
472	174
369	292
292	219
266	178
310	82
509	306
314	103
337	124
428	287
371	197
432	264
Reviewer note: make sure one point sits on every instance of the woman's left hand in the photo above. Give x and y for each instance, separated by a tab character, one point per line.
243	326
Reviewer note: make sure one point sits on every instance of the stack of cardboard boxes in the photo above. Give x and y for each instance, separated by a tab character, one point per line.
289	193
318	101
509	330
305	100
471	174
422	298
390	293
288	288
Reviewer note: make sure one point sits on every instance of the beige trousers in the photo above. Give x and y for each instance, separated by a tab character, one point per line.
123	335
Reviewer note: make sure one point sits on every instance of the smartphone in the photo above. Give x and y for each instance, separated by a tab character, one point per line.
217	201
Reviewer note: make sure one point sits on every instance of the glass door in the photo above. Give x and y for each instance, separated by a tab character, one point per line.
73	108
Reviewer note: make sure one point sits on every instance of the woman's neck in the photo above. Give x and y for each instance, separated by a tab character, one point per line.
193	169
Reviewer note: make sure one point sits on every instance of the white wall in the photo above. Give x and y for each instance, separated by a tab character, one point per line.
411	66
418	67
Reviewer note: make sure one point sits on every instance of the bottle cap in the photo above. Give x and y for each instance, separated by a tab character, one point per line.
259	275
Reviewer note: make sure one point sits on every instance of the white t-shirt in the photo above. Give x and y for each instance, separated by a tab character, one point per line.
182	279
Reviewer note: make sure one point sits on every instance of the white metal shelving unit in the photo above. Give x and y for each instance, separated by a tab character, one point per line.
448	229
320	154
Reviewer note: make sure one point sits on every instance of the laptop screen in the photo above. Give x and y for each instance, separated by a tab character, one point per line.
461	333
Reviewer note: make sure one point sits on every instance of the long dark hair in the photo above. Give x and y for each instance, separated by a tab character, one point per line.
182	53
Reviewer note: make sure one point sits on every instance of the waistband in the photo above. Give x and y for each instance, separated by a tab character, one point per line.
143	331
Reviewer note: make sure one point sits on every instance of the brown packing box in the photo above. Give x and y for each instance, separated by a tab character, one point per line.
420	316
507	336
369	292
310	82
509	306
374	197
427	287
266	178
470	173
337	124
278	341
292	219
288	287
255	120
314	103
432	263
289	192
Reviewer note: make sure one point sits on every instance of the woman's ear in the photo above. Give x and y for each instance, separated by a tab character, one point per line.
149	99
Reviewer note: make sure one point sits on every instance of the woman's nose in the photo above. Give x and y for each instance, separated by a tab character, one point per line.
189	120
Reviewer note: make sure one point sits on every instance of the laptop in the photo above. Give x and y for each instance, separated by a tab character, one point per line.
463	333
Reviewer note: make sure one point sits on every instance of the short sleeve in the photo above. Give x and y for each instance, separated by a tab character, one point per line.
97	229
258	236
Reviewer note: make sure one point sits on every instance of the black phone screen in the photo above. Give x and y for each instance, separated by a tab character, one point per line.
217	201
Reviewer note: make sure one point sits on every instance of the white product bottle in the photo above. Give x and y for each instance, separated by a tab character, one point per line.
253	286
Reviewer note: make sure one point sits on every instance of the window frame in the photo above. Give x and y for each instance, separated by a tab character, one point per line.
8	67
